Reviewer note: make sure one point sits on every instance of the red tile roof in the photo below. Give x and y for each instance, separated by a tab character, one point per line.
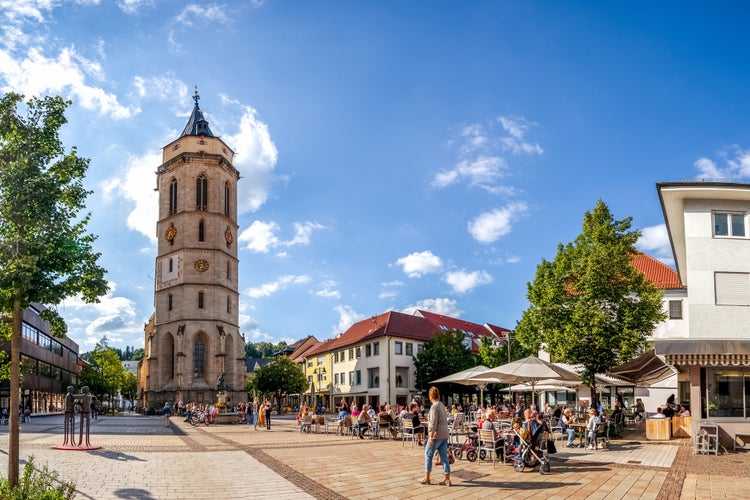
391	323
475	330
656	272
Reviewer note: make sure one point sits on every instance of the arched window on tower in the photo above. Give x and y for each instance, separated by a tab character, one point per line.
200	300
169	302
227	193
199	356
201	193
229	304
201	230
173	197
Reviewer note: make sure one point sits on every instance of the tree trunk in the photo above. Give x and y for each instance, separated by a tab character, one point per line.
15	392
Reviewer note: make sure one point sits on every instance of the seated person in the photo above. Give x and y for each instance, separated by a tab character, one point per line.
363	421
344	420
518	432
591	426
565	422
355	410
684	412
659	413
413	416
487	425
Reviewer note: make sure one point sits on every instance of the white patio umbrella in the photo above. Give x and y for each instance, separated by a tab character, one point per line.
470	377
531	370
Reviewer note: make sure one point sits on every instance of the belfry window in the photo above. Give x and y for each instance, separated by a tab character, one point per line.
173	197
201	193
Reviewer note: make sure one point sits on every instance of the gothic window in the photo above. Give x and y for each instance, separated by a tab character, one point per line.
229	304
201	231
169	300
200	300
199	356
227	192
171	264
173	196
228	269
201	193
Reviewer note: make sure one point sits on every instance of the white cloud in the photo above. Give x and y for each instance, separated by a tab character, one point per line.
163	88
481	162
37	75
272	287
134	6
328	290
256	159
481	171
463	281
490	226
735	164
113	317
202	14
347	317
262	236
137	168
418	263
446	307
654	240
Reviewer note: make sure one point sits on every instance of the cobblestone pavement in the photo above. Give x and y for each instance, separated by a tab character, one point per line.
142	459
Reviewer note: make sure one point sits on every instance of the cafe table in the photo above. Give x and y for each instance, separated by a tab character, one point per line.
580	428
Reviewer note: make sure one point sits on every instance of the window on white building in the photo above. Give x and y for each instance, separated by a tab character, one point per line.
398	347
730	225
409	349
675	309
376	348
732	289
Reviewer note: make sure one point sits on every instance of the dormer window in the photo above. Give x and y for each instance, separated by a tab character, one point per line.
729	225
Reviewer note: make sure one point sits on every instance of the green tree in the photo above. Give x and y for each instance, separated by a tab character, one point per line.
278	377
590	306
442	356
46	255
111	374
137	354
129	386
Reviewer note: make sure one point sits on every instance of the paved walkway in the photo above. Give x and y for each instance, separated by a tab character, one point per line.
142	459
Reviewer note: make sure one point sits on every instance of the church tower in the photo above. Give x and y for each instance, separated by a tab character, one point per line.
193	337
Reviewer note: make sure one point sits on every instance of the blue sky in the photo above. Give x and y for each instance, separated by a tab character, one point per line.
394	154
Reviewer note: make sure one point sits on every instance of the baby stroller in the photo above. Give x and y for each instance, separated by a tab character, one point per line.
533	451
470	447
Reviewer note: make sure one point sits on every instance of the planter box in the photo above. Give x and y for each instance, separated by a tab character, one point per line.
682	427
658	429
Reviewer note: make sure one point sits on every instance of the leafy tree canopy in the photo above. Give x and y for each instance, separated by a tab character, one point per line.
590	306
442	356
46	255
263	349
278	377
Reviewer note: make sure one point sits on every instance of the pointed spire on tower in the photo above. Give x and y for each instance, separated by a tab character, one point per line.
197	124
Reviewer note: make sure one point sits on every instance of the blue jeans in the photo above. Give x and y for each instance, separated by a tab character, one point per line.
441	446
571	436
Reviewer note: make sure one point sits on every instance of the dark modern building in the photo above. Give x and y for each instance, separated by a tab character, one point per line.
48	365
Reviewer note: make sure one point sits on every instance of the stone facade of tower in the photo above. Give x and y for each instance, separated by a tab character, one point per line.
193	337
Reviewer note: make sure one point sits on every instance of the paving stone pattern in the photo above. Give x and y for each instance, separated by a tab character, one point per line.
142	459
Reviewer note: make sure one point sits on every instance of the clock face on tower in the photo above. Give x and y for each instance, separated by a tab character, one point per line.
170	233
228	236
201	265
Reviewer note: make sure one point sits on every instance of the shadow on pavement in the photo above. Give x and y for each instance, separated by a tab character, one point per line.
116	455
134	493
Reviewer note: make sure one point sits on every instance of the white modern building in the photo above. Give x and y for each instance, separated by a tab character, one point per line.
708	225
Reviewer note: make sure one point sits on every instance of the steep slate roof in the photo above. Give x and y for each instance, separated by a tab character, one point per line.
658	273
197	124
474	331
254	364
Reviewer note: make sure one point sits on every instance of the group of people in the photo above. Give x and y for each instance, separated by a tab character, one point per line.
361	420
247	413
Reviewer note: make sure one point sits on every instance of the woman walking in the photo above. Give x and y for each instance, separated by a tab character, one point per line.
437	438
